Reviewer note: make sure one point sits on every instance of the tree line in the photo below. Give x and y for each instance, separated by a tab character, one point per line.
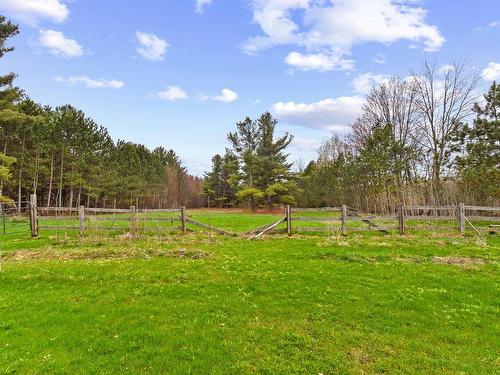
429	138
426	139
67	159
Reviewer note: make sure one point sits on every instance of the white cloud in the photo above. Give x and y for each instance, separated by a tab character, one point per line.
31	11
150	46
200	4
59	45
488	26
327	28
318	61
225	96
380	59
331	113
363	83
172	93
491	72
91	83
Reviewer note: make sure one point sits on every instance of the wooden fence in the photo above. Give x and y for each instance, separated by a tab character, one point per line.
297	220
106	219
461	215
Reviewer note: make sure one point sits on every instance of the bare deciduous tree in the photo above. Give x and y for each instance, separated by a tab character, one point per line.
444	97
332	148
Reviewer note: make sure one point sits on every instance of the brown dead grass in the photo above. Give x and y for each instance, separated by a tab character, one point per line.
459	261
87	254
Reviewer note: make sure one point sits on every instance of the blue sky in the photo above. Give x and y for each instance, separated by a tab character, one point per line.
180	73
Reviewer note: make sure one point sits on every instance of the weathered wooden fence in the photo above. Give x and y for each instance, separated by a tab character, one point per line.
342	220
458	218
132	220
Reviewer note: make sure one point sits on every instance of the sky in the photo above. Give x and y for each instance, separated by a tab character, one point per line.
181	73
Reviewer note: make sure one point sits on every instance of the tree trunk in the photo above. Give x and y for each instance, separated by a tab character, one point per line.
61	179
78	198
251	203
5	153
20	180
70	200
35	178
269	203
50	179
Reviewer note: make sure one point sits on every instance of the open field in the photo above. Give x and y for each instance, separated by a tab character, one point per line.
202	303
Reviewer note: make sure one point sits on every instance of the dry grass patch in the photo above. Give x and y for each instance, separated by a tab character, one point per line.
459	261
98	254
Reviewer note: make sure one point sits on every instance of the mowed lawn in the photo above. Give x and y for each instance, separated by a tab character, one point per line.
368	303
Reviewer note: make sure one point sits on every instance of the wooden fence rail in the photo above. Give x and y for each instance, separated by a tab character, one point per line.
340	218
125	215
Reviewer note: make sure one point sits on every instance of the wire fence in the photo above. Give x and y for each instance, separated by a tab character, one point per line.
14	220
413	219
59	221
132	222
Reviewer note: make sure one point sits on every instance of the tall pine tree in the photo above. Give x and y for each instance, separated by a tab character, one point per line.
479	167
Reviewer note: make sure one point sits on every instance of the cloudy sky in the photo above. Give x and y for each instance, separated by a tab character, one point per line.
180	73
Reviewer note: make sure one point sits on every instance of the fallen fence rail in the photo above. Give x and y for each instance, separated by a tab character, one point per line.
210	227
326	219
269	228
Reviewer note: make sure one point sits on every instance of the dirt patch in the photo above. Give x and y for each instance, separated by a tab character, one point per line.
459	261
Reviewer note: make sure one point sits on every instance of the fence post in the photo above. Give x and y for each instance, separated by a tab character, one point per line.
33	216
81	217
3	217
344	220
401	219
183	220
288	213
133	220
461	218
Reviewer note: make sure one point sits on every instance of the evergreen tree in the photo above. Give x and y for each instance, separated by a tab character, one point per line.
67	159
14	124
244	143
6	162
479	167
264	170
218	184
274	177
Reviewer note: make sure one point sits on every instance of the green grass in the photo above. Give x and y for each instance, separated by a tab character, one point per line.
368	303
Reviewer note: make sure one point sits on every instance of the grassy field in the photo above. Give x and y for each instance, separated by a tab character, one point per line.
202	303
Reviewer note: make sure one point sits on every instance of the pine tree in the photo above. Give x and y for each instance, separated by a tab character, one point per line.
264	170
218	186
5	163
14	124
274	171
213	181
244	143
479	167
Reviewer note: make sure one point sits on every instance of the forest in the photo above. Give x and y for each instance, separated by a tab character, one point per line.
432	138
429	138
67	159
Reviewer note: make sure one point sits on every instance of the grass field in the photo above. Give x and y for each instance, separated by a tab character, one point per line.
202	303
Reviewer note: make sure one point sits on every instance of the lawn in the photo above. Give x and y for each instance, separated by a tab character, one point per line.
368	303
